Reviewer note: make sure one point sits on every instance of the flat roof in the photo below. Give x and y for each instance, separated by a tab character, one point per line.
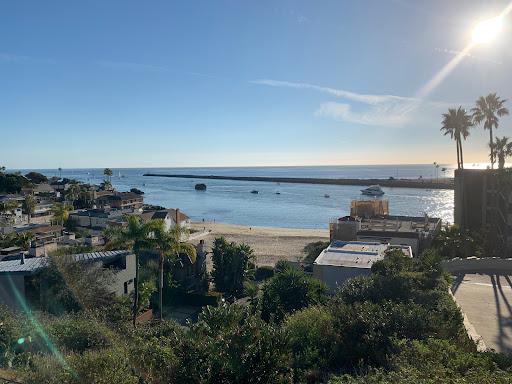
356	254
33	264
403	224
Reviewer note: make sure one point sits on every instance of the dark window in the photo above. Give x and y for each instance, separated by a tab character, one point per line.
117	263
125	287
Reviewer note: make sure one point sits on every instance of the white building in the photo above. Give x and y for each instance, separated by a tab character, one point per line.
343	260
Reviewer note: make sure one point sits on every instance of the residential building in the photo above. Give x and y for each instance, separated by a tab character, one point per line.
483	202
416	232
120	200
190	275
19	288
170	216
343	260
98	219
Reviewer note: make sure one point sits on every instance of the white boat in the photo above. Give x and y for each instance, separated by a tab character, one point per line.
373	190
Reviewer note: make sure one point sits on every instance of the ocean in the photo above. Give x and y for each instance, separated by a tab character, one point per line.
296	205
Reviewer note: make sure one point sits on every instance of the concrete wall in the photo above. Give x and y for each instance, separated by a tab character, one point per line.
490	265
334	277
125	275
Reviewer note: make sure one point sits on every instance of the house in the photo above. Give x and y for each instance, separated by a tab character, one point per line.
18	287
120	200
170	216
97	218
343	260
191	276
416	232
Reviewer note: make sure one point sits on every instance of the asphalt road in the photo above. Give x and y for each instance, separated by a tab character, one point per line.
487	302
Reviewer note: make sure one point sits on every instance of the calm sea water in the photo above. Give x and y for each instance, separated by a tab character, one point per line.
297	205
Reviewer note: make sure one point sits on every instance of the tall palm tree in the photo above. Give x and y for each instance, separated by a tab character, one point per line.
169	244
29	205
137	237
456	123
60	212
501	150
488	110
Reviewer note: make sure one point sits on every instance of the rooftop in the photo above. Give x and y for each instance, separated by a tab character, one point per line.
400	224
32	265
355	254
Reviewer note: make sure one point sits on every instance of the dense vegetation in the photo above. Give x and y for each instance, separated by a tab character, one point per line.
398	325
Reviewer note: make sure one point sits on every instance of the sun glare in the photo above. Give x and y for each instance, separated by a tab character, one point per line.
487	30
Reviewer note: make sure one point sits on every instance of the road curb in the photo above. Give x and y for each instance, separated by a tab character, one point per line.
470	329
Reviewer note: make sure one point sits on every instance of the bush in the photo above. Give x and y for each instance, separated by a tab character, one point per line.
312	340
231	345
79	333
263	273
288	291
312	250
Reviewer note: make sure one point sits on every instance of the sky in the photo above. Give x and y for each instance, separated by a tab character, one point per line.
125	83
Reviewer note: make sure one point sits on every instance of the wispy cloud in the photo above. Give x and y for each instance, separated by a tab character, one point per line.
20	59
453	52
359	97
360	108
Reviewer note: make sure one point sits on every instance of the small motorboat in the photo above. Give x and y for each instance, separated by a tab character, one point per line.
326	196
373	190
254	191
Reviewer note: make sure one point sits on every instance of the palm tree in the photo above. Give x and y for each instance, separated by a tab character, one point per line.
108	173
169	245
488	110
74	190
137	237
501	150
29	205
456	123
60	212
24	239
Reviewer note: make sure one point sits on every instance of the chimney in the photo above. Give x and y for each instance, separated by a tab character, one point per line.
22	257
177	216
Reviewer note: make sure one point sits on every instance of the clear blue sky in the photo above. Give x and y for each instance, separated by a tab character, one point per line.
125	83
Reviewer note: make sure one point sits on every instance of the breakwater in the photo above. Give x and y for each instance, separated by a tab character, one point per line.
391	182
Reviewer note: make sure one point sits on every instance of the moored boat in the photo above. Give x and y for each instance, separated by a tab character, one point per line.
373	190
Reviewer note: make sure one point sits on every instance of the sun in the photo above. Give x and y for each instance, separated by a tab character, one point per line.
487	30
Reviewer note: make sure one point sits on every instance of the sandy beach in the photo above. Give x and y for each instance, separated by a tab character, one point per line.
270	244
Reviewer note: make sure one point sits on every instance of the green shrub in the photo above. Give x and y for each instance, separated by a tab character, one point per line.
263	273
288	291
312	340
79	333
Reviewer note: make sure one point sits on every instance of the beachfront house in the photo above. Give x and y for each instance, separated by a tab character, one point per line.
343	260
170	217
19	285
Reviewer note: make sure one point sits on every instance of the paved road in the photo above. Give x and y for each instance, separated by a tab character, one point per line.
487	302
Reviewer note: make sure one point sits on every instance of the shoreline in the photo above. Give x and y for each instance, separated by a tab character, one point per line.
442	183
270	244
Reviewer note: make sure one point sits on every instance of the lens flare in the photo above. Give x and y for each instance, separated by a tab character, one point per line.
487	30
